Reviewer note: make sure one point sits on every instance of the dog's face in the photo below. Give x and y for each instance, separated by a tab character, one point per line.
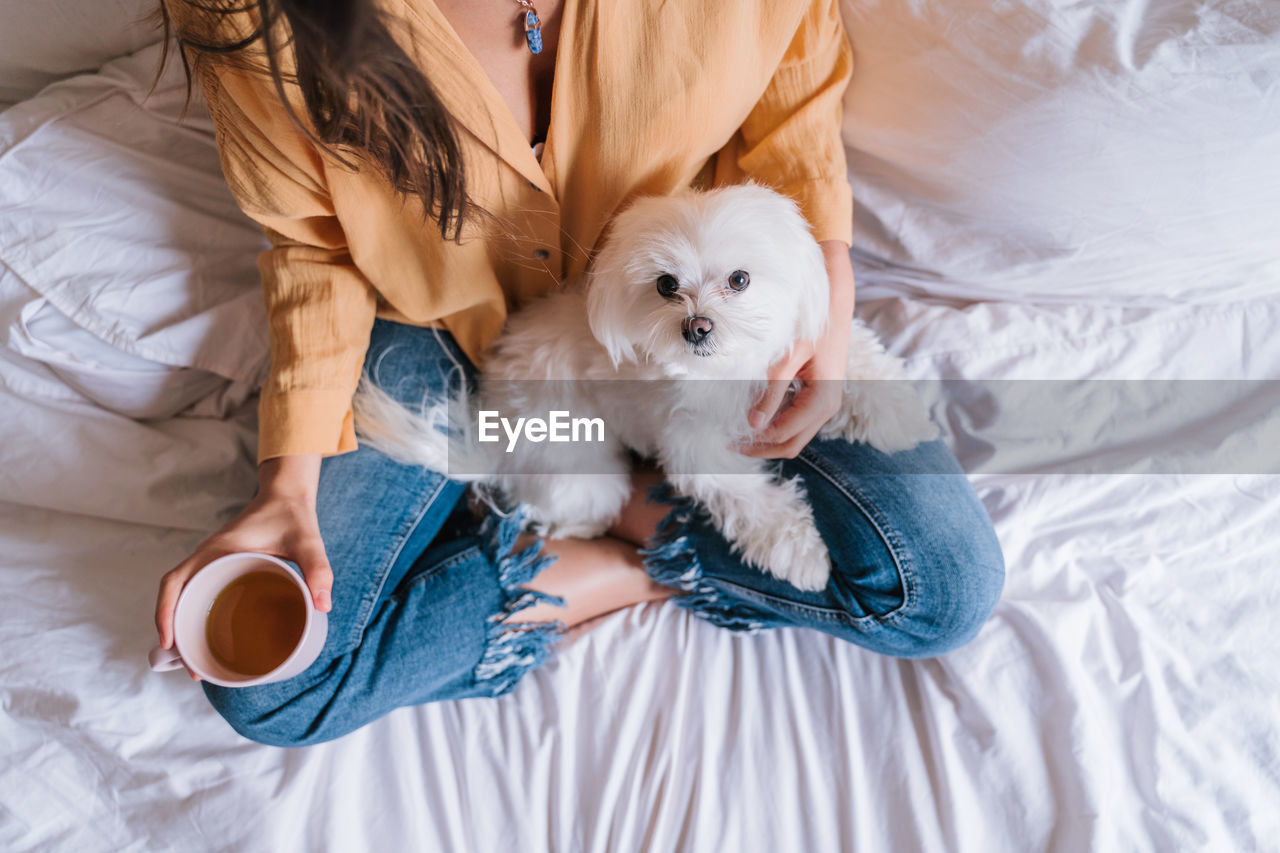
720	283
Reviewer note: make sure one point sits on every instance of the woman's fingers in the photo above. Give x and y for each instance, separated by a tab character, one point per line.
797	426
275	523
767	406
170	588
315	568
780	376
171	585
786	446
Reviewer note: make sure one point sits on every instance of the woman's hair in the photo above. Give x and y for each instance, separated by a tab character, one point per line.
360	89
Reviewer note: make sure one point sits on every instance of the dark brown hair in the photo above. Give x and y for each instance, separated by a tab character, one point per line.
360	89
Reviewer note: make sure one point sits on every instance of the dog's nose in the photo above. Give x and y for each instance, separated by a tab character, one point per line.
696	329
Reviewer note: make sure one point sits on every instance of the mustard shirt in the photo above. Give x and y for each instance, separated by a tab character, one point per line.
648	98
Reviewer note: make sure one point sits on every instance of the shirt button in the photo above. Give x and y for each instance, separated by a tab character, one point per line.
541	254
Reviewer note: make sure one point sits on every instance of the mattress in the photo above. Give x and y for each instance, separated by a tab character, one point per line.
1122	696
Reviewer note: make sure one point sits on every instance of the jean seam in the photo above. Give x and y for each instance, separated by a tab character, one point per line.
829	614
465	555
402	537
893	544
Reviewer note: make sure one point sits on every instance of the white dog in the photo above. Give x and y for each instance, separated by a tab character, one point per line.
701	286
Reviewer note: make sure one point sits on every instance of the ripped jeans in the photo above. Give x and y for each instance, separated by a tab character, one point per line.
423	593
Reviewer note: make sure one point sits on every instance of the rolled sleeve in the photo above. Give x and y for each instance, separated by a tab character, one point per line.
791	140
320	308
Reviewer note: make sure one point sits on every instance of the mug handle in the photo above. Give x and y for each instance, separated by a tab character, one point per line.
163	660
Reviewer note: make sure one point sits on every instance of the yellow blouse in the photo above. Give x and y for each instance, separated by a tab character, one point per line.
648	98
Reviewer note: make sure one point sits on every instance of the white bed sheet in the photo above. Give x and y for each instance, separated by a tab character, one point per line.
1123	696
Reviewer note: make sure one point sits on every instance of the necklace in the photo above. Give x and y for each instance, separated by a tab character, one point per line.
532	25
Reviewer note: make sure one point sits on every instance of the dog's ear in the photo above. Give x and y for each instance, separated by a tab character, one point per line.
607	301
804	269
813	289
809	281
611	297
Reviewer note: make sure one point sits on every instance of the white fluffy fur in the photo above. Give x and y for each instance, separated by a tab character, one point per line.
687	426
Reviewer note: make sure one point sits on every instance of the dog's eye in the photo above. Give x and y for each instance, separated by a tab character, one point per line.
667	285
739	279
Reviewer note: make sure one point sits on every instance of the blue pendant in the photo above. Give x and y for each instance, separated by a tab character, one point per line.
533	31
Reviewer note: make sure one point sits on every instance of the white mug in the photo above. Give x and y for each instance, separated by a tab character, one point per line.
190	647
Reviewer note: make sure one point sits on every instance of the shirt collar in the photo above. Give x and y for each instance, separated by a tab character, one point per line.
471	98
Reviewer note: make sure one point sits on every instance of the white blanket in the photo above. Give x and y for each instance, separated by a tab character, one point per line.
1122	697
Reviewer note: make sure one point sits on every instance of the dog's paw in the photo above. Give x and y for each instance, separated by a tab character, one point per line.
884	414
790	549
809	571
899	421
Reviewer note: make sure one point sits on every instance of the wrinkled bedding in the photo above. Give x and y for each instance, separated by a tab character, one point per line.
1122	697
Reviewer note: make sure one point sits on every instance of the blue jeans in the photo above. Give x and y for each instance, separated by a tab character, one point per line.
422	592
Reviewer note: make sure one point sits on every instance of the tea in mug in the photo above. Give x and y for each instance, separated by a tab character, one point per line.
255	623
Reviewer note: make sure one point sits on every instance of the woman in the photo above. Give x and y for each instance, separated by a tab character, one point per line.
396	160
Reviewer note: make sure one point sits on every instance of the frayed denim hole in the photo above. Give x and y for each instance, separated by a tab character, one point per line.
513	648
672	560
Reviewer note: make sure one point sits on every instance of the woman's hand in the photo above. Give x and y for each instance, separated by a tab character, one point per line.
280	520
819	366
